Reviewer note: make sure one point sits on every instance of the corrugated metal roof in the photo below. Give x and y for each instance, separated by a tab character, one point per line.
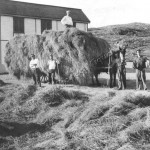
15	8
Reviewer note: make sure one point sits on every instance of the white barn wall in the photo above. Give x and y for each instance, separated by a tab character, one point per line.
86	27
29	26
2	69
6	34
54	25
38	26
60	26
2	59
81	26
3	45
6	28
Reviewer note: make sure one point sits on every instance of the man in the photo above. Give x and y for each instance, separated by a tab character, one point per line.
34	66
67	20
52	69
140	64
121	72
120	62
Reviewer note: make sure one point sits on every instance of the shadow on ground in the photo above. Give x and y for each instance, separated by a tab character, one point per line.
2	83
131	83
15	129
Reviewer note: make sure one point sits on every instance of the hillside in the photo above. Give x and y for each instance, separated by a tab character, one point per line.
136	35
69	117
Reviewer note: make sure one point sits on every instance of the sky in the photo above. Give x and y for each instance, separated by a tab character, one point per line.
106	12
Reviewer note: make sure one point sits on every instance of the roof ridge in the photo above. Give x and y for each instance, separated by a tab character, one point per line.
12	7
15	1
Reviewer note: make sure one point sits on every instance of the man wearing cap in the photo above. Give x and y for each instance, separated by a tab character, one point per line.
34	66
67	20
52	69
140	64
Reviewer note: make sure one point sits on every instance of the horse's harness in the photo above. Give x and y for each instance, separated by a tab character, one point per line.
108	55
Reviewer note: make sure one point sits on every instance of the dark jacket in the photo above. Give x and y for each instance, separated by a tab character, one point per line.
139	63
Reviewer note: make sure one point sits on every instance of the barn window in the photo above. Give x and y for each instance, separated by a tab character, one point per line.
18	25
46	24
74	24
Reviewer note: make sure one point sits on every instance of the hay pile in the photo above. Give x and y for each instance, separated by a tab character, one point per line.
68	118
73	49
18	52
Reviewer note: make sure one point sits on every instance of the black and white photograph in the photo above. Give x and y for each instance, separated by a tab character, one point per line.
74	75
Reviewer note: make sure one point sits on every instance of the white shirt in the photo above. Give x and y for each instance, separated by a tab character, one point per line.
67	20
51	64
34	63
147	63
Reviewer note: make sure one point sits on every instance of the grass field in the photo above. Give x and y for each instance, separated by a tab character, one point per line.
72	117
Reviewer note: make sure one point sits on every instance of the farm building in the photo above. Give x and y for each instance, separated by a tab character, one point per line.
18	18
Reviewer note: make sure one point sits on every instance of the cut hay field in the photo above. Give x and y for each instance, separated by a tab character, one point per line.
71	117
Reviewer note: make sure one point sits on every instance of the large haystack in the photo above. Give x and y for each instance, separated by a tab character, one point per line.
73	48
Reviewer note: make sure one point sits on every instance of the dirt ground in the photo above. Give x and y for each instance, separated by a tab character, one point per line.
131	83
103	79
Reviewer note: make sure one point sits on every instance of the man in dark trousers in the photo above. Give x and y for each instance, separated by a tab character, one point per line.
34	66
120	62
139	64
52	69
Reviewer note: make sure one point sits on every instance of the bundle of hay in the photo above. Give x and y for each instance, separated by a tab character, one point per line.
72	49
18	52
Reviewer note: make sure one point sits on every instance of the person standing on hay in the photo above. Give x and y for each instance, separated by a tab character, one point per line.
34	66
67	20
139	64
52	69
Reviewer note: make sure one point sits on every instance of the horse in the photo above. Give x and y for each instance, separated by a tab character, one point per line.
105	63
112	63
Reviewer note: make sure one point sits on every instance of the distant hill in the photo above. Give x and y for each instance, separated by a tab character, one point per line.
136	35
